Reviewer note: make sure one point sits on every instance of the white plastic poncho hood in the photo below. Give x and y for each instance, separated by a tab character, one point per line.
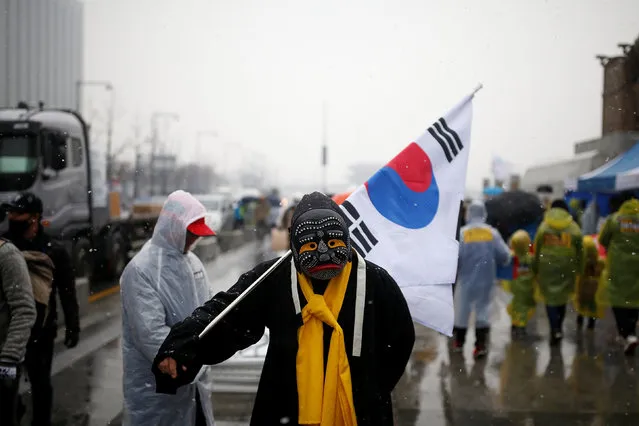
160	287
476	212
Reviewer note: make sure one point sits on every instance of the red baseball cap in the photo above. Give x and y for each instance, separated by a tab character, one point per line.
200	228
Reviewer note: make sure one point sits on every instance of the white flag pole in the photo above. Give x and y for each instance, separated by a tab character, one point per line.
245	293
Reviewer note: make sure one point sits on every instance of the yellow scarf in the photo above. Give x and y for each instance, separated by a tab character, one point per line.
324	401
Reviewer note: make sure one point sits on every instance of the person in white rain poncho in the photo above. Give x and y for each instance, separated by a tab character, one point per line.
481	249
160	287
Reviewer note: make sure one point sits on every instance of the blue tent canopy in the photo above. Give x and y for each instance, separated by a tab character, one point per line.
616	175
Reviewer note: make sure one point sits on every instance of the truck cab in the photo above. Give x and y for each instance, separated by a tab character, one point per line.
47	152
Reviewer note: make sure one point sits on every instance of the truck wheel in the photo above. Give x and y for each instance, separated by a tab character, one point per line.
82	258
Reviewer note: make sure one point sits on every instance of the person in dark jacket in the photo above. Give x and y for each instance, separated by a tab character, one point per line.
340	335
26	233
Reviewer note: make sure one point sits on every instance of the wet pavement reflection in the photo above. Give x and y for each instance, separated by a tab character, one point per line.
87	380
584	381
89	391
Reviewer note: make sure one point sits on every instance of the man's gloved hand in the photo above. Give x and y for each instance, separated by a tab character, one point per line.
71	338
176	364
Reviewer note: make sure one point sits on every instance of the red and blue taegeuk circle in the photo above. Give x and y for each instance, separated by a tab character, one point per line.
405	190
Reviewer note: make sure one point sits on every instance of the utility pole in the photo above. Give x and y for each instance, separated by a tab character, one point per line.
109	148
136	173
137	164
155	141
154	144
78	97
196	153
108	86
324	147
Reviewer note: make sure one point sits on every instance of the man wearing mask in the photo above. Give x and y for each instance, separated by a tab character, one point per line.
17	316
27	234
339	328
161	286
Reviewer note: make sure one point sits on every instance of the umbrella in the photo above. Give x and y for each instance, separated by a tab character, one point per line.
340	198
513	210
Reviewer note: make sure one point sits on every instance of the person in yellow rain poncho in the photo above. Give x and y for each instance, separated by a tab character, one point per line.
522	306
620	237
585	300
557	263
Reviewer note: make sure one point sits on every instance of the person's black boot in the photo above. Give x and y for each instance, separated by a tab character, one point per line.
555	337
481	342
591	323
517	332
580	322
459	338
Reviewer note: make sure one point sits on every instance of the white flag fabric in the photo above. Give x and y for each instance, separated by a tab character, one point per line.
404	218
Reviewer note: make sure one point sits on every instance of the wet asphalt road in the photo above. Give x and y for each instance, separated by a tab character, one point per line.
585	381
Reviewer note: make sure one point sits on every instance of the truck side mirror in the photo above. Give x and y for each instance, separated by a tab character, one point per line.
58	159
58	162
54	154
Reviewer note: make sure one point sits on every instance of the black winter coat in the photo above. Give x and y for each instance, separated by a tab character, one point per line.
387	340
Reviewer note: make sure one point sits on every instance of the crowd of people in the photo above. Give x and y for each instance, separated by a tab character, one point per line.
33	269
560	265
340	330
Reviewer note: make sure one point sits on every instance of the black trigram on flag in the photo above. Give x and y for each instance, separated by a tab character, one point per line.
447	138
362	238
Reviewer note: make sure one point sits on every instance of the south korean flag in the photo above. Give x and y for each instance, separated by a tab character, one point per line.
404	218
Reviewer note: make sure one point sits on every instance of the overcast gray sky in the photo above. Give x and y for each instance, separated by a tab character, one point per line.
257	72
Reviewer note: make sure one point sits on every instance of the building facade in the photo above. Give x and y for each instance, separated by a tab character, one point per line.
620	127
621	91
41	52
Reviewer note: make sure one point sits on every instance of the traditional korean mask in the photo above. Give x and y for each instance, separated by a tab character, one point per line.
319	238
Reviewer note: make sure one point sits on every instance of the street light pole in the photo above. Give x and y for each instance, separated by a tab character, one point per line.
155	140
154	144
108	86
78	97
109	148
81	83
324	148
196	155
